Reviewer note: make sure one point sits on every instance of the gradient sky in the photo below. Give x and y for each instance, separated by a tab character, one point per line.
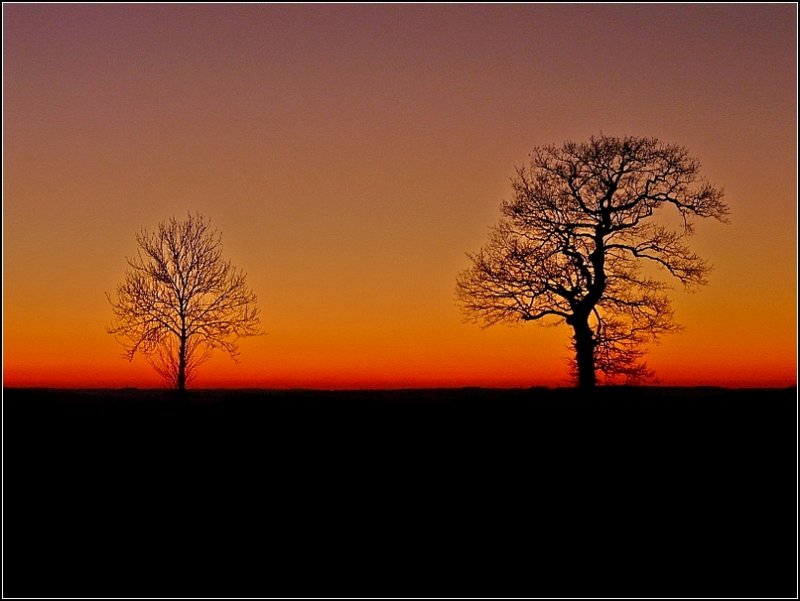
351	156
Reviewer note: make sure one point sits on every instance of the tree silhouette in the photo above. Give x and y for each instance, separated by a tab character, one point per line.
572	244
180	300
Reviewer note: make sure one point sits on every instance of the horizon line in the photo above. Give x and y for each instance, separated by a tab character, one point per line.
399	388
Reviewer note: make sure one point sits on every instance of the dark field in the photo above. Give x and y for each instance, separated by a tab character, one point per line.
477	493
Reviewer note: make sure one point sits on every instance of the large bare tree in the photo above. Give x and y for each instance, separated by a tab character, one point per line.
574	241
180	300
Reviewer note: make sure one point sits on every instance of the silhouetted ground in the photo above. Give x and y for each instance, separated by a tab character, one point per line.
457	493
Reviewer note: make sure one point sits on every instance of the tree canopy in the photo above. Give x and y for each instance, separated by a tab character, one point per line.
180	299
573	239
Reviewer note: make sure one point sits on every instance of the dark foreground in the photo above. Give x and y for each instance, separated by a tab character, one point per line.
456	493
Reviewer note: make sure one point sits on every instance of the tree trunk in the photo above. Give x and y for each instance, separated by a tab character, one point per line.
584	355
181	380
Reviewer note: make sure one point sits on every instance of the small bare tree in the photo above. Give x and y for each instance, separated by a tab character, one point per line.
572	240
180	300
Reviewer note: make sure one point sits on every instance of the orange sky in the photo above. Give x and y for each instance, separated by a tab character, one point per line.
351	156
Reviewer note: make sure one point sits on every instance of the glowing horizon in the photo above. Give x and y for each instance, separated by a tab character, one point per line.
351	155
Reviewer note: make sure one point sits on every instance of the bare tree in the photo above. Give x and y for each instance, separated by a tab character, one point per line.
180	300
573	242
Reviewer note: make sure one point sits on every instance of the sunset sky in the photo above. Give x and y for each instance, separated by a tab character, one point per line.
351	155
